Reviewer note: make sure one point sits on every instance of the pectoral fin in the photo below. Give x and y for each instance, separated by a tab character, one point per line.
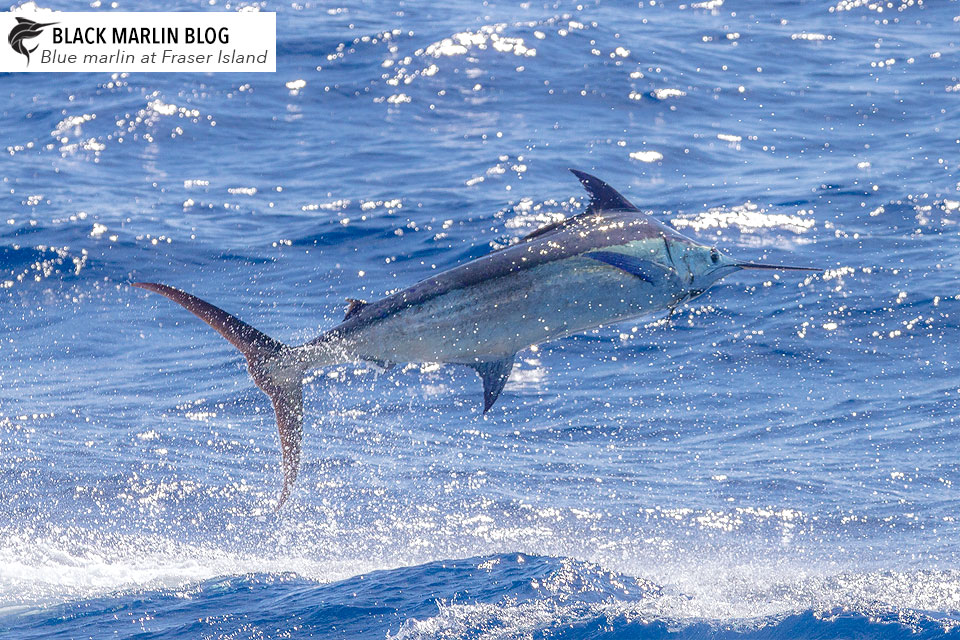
494	375
646	270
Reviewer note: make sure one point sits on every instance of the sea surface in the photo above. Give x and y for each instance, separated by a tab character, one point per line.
781	459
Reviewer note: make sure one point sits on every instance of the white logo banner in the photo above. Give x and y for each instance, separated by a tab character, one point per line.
54	41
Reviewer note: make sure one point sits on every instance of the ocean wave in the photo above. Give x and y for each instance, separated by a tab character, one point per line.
502	596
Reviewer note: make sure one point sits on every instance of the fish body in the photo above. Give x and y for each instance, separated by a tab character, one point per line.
504	310
608	264
497	318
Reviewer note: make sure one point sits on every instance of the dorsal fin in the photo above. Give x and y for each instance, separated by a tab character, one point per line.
603	197
494	374
355	307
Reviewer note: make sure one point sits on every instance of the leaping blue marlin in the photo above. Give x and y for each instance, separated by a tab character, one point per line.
607	264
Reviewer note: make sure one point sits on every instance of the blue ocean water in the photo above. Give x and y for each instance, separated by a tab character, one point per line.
780	460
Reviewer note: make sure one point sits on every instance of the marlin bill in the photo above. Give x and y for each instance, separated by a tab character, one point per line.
608	264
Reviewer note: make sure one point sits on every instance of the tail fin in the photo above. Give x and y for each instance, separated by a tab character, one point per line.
271	365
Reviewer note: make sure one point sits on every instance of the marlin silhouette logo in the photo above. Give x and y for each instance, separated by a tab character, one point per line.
25	30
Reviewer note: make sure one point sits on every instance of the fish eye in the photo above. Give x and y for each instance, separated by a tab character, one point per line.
714	256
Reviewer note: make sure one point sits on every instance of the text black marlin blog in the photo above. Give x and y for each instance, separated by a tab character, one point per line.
140	35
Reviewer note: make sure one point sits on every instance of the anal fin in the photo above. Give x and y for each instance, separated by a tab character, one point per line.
494	374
